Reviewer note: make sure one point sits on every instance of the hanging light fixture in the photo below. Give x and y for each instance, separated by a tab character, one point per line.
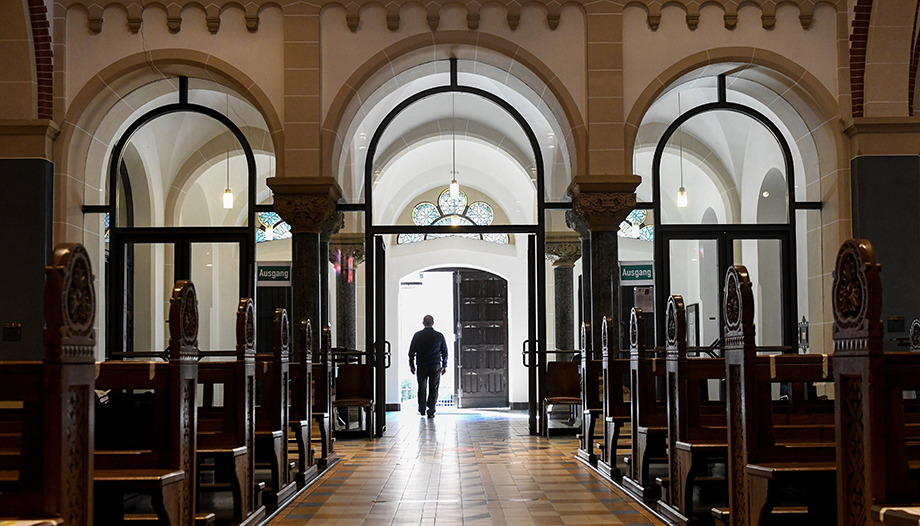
454	185
681	192
228	193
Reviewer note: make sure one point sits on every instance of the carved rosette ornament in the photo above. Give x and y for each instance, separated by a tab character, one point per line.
563	254
738	302
70	305
636	330
183	321
675	324
915	336
245	329
857	290
604	335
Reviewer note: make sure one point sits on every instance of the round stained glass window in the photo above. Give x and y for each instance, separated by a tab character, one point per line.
637	217
647	233
450	206
501	239
269	219
404	239
424	214
480	213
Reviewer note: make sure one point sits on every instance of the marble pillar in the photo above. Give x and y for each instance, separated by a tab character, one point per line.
346	253
584	235
603	202
563	251
308	205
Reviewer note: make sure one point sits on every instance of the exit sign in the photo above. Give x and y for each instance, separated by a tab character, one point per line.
637	273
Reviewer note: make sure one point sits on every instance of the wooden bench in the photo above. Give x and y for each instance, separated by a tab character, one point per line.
301	409
591	399
563	387
226	431
322	399
272	417
46	449
354	387
697	434
877	448
769	453
617	410
649	426
165	469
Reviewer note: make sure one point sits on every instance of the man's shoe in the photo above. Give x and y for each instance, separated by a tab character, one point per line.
421	413
430	415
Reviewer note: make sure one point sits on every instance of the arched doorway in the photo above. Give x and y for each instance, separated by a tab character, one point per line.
510	173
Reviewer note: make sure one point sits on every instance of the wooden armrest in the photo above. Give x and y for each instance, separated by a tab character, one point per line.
896	515
132	479
222	452
777	470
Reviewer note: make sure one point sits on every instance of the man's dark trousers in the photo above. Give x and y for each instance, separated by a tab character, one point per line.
429	378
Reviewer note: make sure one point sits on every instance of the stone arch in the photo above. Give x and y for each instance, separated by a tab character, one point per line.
103	92
463	45
826	106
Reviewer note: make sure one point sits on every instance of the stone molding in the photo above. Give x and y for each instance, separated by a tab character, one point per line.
603	202
305	203
28	138
562	250
355	11
883	135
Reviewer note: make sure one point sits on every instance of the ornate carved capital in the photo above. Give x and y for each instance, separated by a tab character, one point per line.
577	224
563	251
347	245
306	203
603	202
336	223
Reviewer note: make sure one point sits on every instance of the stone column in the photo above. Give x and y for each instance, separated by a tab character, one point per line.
603	202
581	228
346	253
330	229
308	205
563	250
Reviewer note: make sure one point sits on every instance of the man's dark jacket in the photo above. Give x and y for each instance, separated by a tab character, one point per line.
430	348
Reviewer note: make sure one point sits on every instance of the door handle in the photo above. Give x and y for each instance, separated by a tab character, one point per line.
387	354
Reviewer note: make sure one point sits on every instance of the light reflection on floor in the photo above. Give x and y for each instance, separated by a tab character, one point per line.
462	467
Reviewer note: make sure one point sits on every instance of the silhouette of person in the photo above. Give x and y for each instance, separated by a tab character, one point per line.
428	351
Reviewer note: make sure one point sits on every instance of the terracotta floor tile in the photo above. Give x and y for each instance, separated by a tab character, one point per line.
468	468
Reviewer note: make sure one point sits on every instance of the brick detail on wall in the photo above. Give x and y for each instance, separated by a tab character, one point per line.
41	41
859	37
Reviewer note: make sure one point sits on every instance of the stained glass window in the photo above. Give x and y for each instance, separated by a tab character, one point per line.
452	212
636	227
271	227
105	221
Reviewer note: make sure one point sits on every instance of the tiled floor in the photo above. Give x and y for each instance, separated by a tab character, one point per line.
460	468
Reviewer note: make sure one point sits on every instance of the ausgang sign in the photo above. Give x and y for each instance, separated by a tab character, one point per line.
636	273
274	274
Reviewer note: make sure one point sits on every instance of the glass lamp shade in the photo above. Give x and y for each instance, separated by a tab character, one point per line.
228	199
454	189
682	197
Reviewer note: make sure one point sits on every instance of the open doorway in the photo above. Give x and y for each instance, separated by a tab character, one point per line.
470	308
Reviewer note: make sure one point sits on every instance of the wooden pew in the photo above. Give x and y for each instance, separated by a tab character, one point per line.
272	424
354	387
697	434
301	409
226	432
649	426
591	399
877	450
769	452
563	387
322	399
166	469
46	456
616	401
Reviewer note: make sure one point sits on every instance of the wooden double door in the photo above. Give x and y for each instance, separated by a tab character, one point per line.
481	320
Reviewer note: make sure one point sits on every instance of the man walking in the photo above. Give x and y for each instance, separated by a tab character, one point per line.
430	348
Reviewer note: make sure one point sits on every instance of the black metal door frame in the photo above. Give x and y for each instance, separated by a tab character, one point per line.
536	328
